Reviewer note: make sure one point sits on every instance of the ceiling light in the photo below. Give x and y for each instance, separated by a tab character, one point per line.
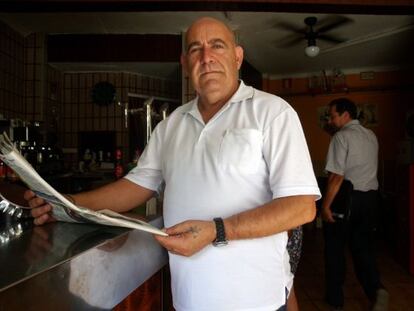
312	50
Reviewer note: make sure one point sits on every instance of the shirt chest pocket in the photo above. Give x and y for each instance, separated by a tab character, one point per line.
241	151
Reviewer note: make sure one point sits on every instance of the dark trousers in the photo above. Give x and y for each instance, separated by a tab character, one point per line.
359	233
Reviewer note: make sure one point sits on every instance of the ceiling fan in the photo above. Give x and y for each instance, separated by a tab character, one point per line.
314	30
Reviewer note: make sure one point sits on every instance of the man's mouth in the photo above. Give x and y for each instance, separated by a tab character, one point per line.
209	72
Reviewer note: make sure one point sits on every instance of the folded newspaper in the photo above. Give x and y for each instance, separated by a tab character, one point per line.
63	209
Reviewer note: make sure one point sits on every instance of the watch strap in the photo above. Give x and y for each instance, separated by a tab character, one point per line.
220	232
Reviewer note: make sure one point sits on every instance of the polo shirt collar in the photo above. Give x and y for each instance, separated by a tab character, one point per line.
243	93
352	122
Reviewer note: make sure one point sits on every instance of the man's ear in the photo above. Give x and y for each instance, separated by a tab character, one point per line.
346	116
239	56
183	61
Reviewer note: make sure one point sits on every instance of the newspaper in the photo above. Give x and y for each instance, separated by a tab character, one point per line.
63	209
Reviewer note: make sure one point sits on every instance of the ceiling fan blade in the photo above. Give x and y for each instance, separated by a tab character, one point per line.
339	21
288	41
290	27
332	39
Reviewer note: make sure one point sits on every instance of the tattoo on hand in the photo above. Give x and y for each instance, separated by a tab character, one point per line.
195	231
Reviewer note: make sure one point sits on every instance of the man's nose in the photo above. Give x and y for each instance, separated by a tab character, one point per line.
206	55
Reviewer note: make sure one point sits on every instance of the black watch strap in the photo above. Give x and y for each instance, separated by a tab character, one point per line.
221	233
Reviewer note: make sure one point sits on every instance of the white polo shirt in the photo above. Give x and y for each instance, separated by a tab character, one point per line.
353	153
251	151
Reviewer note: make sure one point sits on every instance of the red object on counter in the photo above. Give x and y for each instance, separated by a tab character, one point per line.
118	154
119	170
3	169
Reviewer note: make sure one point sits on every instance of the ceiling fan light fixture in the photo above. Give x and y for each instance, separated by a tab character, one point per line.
312	50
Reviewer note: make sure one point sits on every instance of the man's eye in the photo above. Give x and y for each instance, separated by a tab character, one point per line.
218	46
193	50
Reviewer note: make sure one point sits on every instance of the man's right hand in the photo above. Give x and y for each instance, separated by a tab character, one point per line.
327	214
40	208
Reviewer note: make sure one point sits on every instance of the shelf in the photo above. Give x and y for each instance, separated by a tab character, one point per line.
400	88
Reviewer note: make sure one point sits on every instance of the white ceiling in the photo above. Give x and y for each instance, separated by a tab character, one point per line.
374	42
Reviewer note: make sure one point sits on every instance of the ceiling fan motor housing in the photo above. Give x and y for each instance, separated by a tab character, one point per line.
311	21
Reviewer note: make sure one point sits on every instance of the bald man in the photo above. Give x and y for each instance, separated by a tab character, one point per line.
237	175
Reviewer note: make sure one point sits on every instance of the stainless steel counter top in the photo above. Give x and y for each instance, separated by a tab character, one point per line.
65	266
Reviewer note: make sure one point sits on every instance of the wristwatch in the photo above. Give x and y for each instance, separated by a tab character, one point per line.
220	233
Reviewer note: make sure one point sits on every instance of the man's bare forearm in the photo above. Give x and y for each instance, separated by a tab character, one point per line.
120	196
276	216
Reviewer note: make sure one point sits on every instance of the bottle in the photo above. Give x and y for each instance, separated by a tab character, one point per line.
3	170
119	170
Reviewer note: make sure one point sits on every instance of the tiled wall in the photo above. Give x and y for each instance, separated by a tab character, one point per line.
35	60
29	88
11	73
32	90
53	101
80	113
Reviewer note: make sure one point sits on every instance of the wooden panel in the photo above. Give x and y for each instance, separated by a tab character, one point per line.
114	48
321	6
146	297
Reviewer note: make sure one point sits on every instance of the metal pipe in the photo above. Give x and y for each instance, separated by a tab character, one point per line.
148	110
164	111
126	114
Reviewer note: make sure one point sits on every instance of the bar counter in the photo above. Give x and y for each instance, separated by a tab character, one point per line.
66	266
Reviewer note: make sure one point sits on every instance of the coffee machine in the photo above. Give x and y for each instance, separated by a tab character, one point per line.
37	147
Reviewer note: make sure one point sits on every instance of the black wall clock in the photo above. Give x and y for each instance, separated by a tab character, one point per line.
103	93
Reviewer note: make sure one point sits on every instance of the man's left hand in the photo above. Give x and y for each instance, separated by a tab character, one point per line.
188	237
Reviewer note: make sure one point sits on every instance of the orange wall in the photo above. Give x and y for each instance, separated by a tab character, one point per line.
389	91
